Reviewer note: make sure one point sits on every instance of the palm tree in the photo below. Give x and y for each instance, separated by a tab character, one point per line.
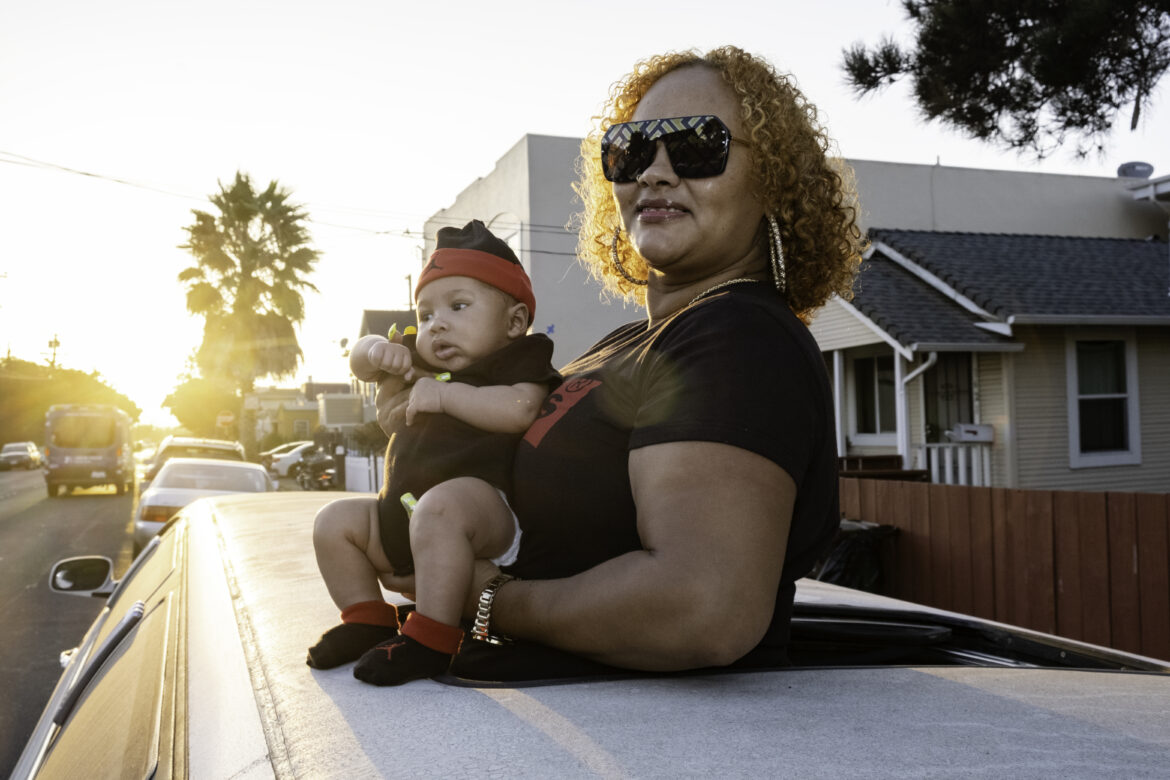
252	261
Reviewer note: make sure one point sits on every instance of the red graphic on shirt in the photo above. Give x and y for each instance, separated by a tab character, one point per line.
558	402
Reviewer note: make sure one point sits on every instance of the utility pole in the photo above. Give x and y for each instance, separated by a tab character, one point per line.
409	292
53	346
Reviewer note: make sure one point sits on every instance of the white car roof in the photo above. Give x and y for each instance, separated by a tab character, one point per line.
158	493
255	709
173	464
795	723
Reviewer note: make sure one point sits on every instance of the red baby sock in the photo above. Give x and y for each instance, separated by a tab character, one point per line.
423	649
363	625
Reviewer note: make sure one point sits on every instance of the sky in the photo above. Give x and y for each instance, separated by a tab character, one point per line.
118	118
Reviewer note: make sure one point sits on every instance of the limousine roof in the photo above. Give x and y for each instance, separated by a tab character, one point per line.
247	584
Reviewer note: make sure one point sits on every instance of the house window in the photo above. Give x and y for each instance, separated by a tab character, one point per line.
300	429
874	410
1103	408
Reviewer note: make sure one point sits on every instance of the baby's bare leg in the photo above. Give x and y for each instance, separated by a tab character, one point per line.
349	550
454	523
349	554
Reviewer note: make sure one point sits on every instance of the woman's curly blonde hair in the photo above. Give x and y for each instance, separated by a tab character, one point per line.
809	192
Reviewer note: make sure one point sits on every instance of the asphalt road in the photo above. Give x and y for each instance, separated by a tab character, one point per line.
35	623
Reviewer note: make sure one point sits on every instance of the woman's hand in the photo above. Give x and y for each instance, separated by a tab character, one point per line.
393	395
425	396
400	585
483	573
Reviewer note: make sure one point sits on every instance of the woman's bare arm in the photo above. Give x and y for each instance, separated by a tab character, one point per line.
390	402
714	523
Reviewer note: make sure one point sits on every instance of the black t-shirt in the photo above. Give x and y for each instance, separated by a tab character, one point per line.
438	447
737	367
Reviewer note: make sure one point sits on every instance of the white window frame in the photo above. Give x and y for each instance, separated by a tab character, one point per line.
1128	457
888	439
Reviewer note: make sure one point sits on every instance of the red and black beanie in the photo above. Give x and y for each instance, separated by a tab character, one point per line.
475	251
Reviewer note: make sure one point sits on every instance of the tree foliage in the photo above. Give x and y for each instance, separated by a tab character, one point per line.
29	389
198	401
252	262
1028	75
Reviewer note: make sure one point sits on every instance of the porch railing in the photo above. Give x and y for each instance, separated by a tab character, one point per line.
956	463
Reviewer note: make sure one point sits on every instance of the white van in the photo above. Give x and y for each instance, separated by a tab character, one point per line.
87	445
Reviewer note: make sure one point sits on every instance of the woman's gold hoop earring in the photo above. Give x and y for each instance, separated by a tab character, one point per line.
777	252
617	261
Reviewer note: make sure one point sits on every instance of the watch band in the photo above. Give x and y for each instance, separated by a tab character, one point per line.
481	630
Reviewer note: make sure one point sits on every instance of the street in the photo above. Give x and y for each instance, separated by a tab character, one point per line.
37	624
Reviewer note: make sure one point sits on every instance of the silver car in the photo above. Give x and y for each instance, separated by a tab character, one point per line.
183	480
196	668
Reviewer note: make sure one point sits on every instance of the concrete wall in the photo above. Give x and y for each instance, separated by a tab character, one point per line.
530	192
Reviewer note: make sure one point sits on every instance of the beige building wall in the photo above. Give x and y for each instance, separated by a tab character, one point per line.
1041	414
916	406
994	411
1153	348
938	197
835	327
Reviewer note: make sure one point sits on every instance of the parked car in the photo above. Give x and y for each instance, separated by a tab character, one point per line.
196	667
182	480
289	463
191	447
268	456
20	455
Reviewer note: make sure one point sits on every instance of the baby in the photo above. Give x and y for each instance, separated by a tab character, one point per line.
479	382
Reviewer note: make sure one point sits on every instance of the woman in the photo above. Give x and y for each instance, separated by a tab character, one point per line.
684	475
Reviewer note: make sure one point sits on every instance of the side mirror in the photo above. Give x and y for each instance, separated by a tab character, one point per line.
84	576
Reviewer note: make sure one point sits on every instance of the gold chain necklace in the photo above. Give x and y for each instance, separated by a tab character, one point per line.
720	286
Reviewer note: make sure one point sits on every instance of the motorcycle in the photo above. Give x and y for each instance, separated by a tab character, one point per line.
317	472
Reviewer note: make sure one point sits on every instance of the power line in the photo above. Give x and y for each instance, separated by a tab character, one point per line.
19	159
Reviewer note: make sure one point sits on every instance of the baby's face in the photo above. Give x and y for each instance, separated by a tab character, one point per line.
461	320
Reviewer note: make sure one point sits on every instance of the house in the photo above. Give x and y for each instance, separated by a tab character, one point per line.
1008	328
990	307
1013	360
296	413
263	409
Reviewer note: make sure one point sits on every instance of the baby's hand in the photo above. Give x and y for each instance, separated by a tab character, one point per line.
375	357
425	396
389	357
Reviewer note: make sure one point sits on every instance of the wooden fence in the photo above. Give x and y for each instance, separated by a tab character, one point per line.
1089	566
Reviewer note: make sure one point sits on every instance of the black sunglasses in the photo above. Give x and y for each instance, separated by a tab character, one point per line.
697	147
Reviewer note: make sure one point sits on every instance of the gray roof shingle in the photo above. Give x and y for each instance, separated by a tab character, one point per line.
1062	276
913	312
